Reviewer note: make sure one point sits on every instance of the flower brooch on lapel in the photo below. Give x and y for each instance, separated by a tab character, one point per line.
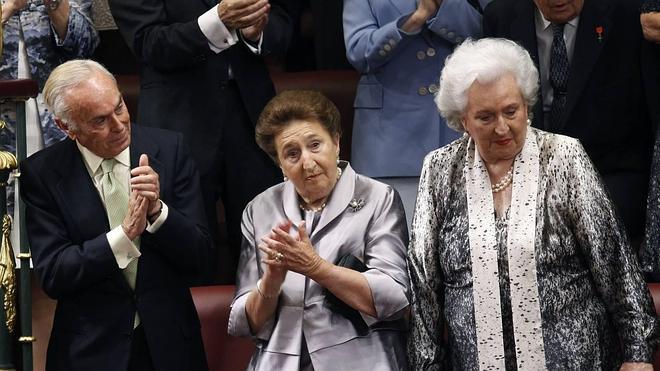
356	204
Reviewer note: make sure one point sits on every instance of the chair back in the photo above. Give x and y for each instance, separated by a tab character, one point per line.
223	351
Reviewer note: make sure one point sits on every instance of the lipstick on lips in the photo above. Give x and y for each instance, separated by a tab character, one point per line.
503	142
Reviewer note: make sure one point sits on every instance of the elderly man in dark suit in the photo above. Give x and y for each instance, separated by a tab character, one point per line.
202	73
116	227
590	57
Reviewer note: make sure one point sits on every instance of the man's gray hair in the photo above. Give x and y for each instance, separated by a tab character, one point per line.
64	77
485	61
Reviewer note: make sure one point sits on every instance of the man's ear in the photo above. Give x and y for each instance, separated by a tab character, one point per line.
65	128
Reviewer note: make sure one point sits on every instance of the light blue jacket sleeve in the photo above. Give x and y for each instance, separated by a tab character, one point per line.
455	21
373	35
370	43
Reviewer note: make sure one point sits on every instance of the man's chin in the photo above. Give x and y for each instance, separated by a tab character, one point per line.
118	146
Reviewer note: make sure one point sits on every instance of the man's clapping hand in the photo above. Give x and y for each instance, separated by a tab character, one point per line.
237	14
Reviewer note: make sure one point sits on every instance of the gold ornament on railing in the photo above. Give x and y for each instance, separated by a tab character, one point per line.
7	162
8	275
7	262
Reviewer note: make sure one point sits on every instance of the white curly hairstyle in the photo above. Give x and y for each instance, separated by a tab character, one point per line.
485	60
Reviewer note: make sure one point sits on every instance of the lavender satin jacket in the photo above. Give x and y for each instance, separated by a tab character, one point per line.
362	217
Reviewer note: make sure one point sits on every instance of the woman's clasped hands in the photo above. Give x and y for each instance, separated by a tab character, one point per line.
284	252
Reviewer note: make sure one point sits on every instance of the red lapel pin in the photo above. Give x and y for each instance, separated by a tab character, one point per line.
599	32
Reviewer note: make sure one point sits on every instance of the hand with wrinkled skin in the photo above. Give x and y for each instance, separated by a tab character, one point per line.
273	274
428	8
651	26
348	285
425	10
59	18
253	33
237	14
10	7
135	220
145	181
299	254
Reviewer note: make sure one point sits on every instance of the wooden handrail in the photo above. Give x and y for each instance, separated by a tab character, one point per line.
18	90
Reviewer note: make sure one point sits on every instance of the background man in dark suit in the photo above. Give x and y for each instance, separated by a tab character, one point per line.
116	227
203	74
597	95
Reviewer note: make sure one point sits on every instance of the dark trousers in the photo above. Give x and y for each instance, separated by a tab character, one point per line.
241	171
628	192
140	358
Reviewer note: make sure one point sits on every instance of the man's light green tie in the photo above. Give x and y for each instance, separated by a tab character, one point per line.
115	197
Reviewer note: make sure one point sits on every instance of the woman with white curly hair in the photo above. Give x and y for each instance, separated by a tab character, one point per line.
516	247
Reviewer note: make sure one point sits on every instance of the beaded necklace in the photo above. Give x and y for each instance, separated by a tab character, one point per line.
503	183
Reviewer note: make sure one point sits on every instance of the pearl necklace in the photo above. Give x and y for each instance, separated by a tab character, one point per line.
312	209
504	182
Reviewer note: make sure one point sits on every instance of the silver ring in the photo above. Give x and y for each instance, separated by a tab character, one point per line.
279	257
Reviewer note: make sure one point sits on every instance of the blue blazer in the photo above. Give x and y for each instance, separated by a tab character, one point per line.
66	225
396	121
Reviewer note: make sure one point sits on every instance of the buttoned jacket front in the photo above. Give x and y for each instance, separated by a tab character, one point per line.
396	121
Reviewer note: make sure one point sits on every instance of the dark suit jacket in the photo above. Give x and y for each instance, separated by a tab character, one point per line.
181	78
607	103
66	225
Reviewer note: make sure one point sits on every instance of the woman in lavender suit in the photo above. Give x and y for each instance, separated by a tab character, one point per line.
322	282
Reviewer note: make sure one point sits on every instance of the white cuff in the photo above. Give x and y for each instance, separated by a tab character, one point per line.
58	41
122	248
153	227
257	50
217	34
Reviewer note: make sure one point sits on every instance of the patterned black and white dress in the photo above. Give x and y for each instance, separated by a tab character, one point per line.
596	311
